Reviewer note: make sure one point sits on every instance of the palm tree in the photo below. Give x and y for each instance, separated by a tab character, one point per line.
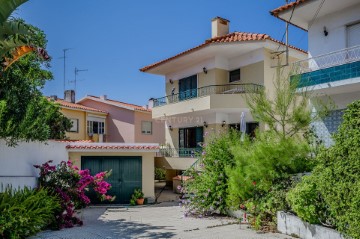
15	39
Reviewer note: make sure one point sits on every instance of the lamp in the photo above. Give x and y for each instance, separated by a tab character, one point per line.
205	124
223	123
205	70
170	128
326	32
171	81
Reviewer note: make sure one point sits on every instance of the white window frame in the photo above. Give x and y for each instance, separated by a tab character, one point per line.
75	126
145	131
90	125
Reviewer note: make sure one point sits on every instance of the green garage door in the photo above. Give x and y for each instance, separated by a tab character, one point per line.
126	174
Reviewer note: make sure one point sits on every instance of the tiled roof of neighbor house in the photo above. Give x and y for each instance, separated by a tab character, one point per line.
231	37
73	141
119	103
276	11
76	106
112	146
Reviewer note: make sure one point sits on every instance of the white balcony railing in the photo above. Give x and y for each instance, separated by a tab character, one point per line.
331	59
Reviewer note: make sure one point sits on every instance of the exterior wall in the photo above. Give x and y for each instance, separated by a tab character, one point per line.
148	185
172	137
336	26
158	129
253	73
120	123
17	162
81	116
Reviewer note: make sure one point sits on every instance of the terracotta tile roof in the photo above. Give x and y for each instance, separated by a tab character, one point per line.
76	106
276	11
112	146
121	104
73	141
229	38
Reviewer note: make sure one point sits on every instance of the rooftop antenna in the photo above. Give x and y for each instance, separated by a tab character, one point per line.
76	71
64	57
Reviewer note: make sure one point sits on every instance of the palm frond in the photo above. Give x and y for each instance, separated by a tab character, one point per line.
7	7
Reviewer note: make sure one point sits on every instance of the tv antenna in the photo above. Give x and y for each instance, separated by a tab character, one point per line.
76	72
64	57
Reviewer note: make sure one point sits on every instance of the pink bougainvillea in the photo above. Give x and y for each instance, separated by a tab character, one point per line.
69	183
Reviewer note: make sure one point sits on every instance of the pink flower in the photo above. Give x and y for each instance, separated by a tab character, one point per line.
76	168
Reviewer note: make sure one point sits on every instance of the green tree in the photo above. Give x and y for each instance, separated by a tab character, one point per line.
25	114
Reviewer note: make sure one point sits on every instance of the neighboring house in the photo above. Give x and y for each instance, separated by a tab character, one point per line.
205	89
333	66
127	123
87	123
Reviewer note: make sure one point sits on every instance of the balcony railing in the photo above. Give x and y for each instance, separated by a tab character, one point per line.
335	58
181	152
208	90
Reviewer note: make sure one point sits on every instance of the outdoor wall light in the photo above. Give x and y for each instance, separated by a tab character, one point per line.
326	32
205	70
205	124
171	81
170	128
223	123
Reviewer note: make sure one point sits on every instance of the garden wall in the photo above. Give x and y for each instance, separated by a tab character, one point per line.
16	163
292	225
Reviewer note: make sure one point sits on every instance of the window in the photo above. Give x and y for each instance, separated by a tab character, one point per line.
353	35
75	125
146	127
95	127
234	75
188	88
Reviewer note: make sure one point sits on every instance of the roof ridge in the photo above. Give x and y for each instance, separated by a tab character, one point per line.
123	103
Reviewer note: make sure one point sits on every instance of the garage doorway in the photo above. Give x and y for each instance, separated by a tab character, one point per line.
126	175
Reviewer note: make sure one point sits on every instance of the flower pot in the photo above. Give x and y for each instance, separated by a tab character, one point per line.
140	201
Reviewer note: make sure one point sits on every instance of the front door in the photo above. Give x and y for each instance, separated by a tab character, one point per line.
188	88
126	174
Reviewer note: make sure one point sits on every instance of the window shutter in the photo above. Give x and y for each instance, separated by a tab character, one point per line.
353	35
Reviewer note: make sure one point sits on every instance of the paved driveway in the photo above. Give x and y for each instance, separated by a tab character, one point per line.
159	221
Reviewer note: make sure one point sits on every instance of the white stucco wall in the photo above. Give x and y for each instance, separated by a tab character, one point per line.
16	163
336	26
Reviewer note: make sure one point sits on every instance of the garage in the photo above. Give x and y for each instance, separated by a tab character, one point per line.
126	174
132	166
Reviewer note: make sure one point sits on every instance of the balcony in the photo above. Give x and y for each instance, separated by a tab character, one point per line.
206	91
331	67
178	153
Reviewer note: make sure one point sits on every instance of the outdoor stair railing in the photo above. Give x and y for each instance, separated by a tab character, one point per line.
208	90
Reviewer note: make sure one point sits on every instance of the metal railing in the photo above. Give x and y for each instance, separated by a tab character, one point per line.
328	60
208	90
181	152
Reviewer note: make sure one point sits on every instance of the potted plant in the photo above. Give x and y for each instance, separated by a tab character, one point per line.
138	197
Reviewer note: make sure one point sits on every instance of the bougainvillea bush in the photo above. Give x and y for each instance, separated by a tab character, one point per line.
206	191
69	184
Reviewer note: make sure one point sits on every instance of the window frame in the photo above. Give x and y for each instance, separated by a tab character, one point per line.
232	71
144	132
77	126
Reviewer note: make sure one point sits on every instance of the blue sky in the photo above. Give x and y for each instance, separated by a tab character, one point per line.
112	39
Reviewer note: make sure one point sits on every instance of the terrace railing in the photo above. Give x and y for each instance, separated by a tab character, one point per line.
181	152
335	58
208	90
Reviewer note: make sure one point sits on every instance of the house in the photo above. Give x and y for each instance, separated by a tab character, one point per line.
127	123
112	135
205	88
333	64
87	123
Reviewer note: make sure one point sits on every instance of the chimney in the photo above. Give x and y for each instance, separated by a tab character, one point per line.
53	97
103	97
150	104
69	96
219	27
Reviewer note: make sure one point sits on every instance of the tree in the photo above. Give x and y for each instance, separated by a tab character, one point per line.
287	112
25	114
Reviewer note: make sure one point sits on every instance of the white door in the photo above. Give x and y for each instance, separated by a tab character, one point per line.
353	35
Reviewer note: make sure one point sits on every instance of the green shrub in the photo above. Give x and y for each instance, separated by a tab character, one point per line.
208	187
160	173
25	212
337	176
306	201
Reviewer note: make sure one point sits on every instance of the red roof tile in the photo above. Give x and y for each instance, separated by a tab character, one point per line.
121	104
231	37
276	11
97	146
76	106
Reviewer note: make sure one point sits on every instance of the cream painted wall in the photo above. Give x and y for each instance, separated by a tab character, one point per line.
148	185
81	116
253	73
